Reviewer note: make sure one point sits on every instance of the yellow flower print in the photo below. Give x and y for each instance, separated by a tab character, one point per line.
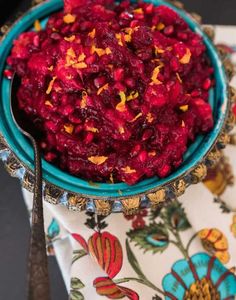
214	242
233	226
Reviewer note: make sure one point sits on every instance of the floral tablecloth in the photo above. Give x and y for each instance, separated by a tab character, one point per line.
186	250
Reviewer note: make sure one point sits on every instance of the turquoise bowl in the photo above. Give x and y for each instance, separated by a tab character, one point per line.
22	148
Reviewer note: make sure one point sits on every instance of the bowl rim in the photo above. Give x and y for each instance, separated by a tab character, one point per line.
110	191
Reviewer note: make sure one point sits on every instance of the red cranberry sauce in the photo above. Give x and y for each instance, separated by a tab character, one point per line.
118	91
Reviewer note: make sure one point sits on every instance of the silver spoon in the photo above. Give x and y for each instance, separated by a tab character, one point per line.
38	277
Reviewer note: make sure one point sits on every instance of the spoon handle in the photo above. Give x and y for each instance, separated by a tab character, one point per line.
38	277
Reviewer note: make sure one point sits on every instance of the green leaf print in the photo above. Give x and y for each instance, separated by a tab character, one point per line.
175	217
156	297
76	283
153	237
76	295
78	254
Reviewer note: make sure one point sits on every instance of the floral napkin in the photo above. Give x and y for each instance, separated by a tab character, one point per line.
186	250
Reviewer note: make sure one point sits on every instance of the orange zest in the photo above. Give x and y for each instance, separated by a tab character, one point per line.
69	18
50	86
97	160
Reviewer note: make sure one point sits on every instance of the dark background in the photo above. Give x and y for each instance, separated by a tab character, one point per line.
212	11
14	226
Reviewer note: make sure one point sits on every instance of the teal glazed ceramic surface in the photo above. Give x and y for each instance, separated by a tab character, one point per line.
51	174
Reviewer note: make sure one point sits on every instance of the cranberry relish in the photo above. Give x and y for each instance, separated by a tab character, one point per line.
120	90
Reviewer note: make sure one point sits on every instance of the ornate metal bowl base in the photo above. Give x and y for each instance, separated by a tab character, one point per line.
129	204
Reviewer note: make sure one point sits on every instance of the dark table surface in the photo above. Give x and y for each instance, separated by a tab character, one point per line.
14	225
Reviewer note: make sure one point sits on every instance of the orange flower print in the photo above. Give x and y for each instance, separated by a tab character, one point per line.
214	241
233	226
106	249
234	110
106	287
219	177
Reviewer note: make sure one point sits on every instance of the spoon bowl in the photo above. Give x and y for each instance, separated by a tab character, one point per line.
19	116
